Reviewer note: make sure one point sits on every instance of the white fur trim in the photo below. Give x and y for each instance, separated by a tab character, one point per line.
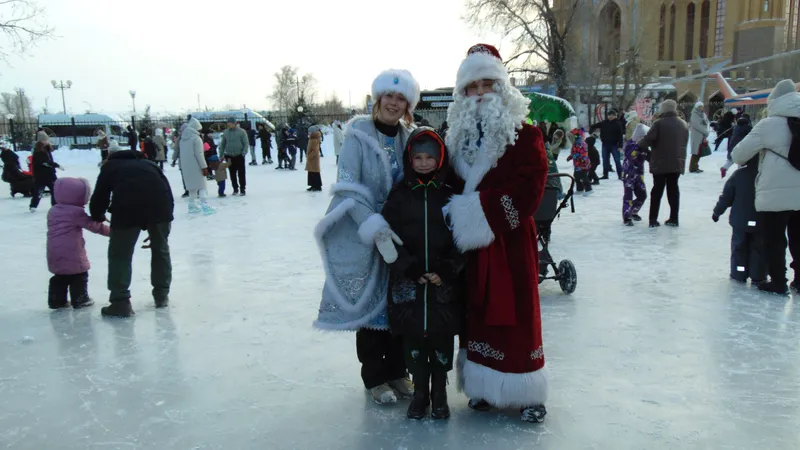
471	230
504	390
357	188
461	359
371	227
371	142
396	80
323	227
479	66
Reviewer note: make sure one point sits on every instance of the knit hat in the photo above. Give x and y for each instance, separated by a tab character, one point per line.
42	137
782	88
699	105
231	119
399	81
668	106
426	140
483	62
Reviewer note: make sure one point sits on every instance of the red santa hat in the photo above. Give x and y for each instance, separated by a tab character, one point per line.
400	81
483	62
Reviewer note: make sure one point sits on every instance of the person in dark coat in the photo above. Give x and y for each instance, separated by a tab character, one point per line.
252	135
44	170
142	200
594	157
667	140
613	135
742	128
266	144
282	155
149	146
724	129
290	145
12	174
747	241
302	140
426	305
133	139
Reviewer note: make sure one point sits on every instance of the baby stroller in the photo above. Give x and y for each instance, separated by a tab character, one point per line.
20	182
548	210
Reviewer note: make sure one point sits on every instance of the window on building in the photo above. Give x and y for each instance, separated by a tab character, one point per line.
705	19
662	32
690	31
672	32
766	5
719	33
790	31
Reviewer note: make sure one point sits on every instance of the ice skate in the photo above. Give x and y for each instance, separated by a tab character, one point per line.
383	395
636	217
479	404
118	309
533	414
628	222
269	161
588	193
32	209
207	210
403	387
82	302
185	194
672	223
654	224
221	195
193	208
439	408
775	288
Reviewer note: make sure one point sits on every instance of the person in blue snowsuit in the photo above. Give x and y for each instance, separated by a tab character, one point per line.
633	177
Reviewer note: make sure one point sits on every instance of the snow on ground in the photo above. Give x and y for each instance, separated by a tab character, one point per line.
655	350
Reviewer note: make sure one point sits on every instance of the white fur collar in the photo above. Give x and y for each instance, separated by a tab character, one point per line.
473	174
363	129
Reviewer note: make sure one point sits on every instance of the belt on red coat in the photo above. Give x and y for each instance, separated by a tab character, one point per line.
494	293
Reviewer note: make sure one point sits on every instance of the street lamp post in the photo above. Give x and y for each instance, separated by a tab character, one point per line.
133	98
62	87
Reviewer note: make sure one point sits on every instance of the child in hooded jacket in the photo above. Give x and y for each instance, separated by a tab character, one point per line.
66	248
633	176
594	157
748	256
425	302
738	132
581	162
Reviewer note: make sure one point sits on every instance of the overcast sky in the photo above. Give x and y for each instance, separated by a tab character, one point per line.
170	51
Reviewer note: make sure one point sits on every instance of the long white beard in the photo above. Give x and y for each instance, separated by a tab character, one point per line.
500	115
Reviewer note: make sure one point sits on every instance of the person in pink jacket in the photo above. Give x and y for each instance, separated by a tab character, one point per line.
66	248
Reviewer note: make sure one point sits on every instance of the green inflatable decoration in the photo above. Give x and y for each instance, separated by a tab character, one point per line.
549	108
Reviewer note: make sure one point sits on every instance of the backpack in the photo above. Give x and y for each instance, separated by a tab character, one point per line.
794	148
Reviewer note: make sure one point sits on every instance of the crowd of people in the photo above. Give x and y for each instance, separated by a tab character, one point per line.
430	235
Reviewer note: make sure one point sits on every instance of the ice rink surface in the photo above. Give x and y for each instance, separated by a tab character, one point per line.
656	349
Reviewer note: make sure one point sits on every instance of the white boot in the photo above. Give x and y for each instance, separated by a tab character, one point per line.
207	210
193	208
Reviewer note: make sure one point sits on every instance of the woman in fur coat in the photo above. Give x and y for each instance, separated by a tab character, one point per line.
357	243
312	162
698	131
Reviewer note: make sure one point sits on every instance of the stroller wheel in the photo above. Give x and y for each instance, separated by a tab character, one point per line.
567	276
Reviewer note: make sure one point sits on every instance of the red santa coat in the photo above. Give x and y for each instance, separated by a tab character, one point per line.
502	358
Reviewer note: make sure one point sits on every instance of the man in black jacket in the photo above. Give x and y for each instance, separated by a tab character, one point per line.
612	134
251	138
266	143
44	170
133	139
142	200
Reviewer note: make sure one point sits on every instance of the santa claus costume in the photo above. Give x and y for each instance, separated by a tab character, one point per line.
502	166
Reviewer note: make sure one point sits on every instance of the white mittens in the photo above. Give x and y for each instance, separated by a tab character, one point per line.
385	241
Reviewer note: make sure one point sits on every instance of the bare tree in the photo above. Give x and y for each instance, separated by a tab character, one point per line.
539	32
290	88
22	26
17	104
333	105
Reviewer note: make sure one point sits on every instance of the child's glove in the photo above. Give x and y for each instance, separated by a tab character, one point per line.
715	218
384	241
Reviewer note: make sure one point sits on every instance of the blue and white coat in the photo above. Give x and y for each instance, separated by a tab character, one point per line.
356	276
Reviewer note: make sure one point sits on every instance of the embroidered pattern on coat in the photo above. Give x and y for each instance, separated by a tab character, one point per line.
512	215
485	350
537	354
345	175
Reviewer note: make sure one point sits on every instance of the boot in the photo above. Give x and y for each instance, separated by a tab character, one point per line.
422	398
193	208
162	302
774	287
654	224
403	387
207	210
383	395
79	293
479	404
118	309
57	295
636	217
672	223
439	407
533	414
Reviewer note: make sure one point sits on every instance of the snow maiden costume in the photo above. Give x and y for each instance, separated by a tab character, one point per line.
502	167
357	276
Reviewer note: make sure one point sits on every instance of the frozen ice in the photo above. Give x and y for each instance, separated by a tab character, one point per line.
656	349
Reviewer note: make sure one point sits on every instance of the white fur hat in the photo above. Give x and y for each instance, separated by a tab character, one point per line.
483	62
396	80
782	88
